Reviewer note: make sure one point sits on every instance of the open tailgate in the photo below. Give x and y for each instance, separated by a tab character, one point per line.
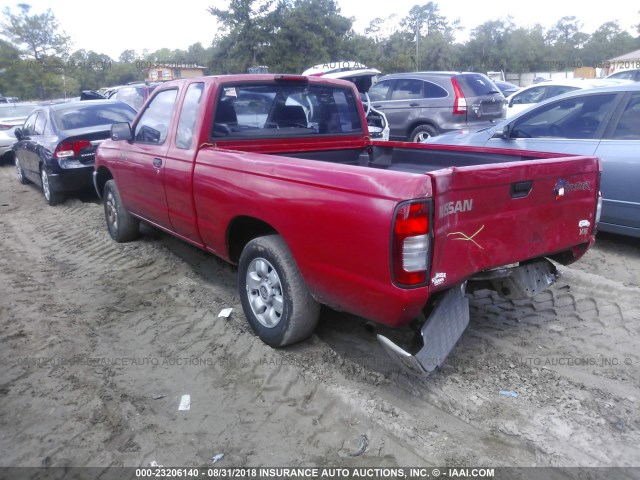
493	215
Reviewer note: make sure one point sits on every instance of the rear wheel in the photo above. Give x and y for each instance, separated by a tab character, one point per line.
50	194
20	172
274	296
422	132
123	227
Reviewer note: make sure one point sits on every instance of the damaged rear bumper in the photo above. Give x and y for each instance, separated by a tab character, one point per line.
450	316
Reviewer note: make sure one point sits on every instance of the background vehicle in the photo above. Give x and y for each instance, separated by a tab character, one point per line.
133	95
419	105
533	94
278	174
604	122
12	115
507	88
56	146
633	75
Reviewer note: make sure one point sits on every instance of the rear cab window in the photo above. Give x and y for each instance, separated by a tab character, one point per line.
272	110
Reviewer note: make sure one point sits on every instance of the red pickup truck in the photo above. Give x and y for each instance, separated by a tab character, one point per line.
277	173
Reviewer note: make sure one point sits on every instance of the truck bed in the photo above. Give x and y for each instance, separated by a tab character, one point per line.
416	158
490	207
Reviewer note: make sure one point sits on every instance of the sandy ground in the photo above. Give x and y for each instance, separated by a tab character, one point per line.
100	341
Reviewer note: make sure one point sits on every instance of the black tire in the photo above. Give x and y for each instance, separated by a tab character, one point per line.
20	172
122	226
274	296
51	196
422	132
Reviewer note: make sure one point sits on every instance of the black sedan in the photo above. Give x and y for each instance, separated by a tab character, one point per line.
57	143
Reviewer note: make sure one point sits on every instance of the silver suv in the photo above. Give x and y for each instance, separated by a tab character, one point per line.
420	105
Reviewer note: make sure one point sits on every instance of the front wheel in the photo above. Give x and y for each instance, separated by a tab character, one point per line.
123	227
274	296
422	132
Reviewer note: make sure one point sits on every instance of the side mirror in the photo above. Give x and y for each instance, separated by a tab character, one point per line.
511	103
121	131
503	132
18	133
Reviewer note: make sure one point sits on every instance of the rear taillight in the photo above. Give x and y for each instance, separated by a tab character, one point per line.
4	126
70	148
410	244
459	103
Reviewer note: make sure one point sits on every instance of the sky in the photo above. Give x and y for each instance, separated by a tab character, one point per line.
114	26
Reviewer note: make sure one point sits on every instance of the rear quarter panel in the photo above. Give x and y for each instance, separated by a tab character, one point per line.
336	219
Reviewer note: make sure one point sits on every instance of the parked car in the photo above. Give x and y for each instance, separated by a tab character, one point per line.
12	116
133	95
604	122
56	146
419	105
507	88
633	75
533	94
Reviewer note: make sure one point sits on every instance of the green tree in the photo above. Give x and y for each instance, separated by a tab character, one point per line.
567	40
128	56
38	40
121	73
608	41
288	36
197	54
433	36
88	68
302	33
9	60
488	45
244	27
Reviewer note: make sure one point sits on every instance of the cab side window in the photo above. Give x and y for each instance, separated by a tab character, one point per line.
153	126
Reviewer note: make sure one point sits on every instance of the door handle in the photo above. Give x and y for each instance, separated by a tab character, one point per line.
377	106
157	162
414	104
521	189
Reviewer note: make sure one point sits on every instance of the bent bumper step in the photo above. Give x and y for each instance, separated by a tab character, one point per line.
450	317
440	333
